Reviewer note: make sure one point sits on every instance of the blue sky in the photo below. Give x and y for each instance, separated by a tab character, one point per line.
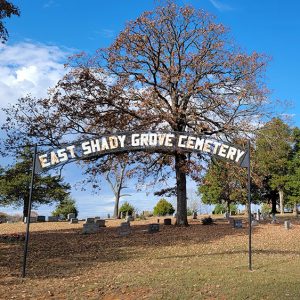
50	30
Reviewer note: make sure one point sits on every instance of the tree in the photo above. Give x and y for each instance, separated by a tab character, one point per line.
7	9
127	208
163	207
224	184
292	186
116	171
65	207
273	150
172	69
15	185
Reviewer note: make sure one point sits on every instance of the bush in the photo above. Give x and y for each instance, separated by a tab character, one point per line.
189	211
221	209
65	207
126	208
207	221
163	207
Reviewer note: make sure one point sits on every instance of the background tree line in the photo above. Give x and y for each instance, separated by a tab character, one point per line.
275	169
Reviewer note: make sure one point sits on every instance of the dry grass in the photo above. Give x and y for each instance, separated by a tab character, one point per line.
198	262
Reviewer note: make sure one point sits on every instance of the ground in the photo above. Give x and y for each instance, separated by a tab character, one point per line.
195	262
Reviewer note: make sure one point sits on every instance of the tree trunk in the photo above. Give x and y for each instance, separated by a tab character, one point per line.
274	202
116	208
181	215
228	206
281	202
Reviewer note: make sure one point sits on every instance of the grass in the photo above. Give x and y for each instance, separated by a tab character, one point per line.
198	262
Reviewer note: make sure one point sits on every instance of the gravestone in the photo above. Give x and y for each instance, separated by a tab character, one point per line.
90	228
167	221
287	224
273	219
237	223
32	220
258	215
129	218
74	221
254	223
97	218
124	229
226	216
90	221
41	218
100	223
194	215
71	216
108	216
152	228
52	219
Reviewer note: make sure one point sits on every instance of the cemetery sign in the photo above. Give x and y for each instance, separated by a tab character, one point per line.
142	141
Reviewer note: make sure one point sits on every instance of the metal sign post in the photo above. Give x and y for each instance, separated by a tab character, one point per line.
249	209
29	212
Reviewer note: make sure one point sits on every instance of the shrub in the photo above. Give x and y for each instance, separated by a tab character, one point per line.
207	221
221	209
163	207
126	208
65	207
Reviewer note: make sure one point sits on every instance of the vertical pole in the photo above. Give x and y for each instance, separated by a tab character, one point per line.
249	209
29	212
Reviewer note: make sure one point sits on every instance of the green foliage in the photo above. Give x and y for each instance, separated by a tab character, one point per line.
292	186
265	208
126	208
65	207
223	183
189	211
273	149
221	209
163	207
15	185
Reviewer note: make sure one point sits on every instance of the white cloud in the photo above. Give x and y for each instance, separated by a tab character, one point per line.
29	68
220	6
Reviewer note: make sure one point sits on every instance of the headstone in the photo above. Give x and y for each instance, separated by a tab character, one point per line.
237	223
273	219
97	218
152	228
167	221
90	221
41	218
74	221
71	216
124	229
100	223
52	219
254	223
258	215
194	215
32	220
108	216
287	224
129	218
226	215
90	228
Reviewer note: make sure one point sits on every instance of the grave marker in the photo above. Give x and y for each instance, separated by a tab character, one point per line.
152	228
124	229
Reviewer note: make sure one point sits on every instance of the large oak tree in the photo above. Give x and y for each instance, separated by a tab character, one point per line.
174	68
